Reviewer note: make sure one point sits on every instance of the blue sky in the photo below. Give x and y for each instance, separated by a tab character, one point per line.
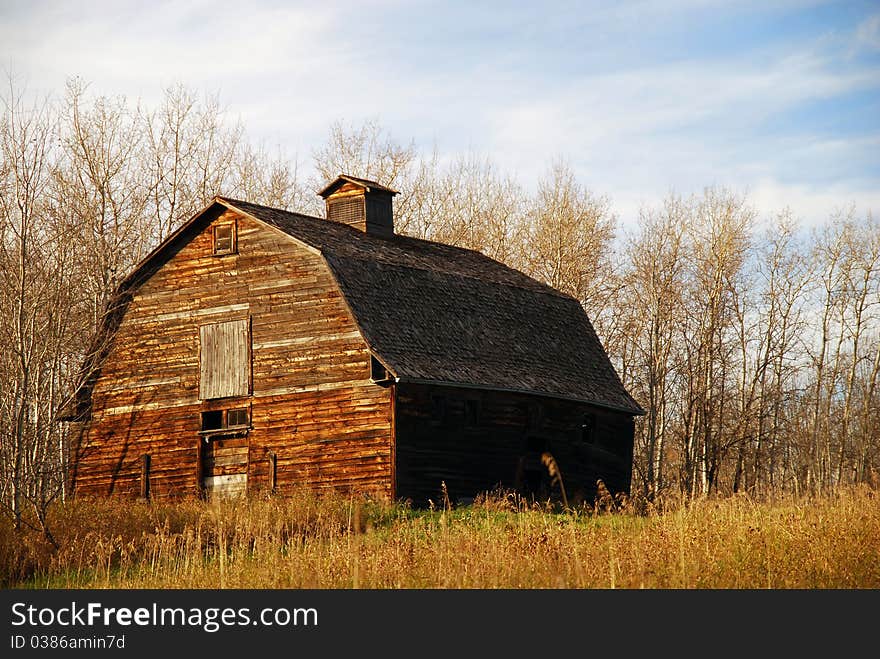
778	100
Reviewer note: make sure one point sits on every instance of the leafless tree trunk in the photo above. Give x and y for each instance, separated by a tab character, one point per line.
655	262
26	144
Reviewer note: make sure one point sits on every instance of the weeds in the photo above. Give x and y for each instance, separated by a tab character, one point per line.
500	541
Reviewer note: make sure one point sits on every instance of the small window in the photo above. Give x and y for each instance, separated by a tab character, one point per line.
224	238
438	409
378	373
588	428
238	417
472	412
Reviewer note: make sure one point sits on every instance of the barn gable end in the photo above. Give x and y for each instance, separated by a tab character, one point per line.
275	304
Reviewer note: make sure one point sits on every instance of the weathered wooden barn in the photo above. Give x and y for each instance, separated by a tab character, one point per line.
257	349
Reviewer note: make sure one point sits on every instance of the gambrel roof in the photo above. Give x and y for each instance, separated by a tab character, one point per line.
429	312
432	312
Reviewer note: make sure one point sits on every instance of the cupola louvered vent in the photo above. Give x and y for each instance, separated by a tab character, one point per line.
348	210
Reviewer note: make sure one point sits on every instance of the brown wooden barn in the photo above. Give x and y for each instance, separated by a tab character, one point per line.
257	349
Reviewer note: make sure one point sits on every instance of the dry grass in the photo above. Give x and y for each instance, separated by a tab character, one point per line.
303	542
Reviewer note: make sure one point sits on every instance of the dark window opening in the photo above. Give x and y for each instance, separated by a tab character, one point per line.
588	428
212	420
472	412
224	239
438	404
378	373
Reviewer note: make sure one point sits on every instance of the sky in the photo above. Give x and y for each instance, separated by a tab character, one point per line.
779	101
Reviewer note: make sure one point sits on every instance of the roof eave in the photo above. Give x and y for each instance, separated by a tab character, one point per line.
364	183
469	385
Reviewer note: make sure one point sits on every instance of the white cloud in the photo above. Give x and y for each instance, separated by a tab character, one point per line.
811	204
868	33
637	134
675	97
147	46
289	70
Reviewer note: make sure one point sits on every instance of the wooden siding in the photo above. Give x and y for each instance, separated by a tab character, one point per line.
315	414
475	441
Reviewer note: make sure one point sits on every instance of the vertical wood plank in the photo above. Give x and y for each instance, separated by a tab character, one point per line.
145	476
225	359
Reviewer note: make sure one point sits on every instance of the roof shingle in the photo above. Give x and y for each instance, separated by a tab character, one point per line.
437	313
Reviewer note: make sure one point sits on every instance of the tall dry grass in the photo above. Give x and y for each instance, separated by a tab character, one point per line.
305	542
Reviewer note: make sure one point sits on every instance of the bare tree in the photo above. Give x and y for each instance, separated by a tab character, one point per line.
756	359
569	239
654	281
476	207
271	180
721	234
191	155
367	151
99	189
863	247
32	312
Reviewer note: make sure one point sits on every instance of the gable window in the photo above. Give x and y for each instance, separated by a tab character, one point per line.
224	359
225	238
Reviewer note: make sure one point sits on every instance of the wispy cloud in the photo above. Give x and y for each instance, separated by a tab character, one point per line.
197	43
868	33
644	131
640	97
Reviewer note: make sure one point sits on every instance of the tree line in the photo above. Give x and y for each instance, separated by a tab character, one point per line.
752	343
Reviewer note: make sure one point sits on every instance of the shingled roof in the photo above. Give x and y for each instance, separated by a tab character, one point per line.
437	313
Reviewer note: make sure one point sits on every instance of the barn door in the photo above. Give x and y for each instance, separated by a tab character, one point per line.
224	467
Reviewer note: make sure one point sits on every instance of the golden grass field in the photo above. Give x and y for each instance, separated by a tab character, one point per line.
832	541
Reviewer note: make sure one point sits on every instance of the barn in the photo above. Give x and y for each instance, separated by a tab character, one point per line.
259	350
